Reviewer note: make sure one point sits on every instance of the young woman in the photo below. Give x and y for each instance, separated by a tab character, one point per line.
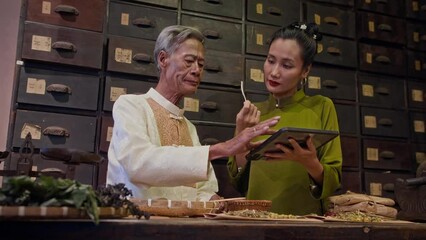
296	179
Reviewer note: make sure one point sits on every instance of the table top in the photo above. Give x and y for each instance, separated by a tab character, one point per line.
201	228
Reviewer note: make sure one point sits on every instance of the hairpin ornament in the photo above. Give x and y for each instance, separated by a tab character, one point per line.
303	27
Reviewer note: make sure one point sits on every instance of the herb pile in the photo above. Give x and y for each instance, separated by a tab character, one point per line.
51	192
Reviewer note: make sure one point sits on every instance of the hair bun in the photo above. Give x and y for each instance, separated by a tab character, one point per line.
311	29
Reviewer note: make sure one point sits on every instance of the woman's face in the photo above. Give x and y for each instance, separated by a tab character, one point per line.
283	68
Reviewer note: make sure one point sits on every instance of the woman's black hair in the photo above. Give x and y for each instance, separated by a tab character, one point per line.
306	36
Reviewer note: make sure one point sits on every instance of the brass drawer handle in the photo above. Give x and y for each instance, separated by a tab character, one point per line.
389	187
213	1
332	21
56	131
209	141
143	22
383	59
382	90
213	67
65	46
66	9
211	106
387	155
274	11
59	88
385	27
211	34
330	83
334	51
385	122
142	57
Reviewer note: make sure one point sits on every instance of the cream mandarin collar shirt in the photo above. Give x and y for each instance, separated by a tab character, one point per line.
137	158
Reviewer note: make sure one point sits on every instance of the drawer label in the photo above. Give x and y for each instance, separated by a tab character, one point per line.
109	134
33	129
419	126
367	1
123	55
256	75
376	189
191	104
416	37
367	90
125	19
371	26
418	65
320	47
36	86
372	154
314	82
41	43
370	122
417	95
46	7
415	6
317	19
369	58
420	157
259	8
116	92
259	39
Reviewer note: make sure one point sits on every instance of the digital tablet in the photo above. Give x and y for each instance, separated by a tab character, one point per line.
319	138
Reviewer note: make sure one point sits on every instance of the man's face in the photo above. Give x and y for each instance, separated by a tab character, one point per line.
184	67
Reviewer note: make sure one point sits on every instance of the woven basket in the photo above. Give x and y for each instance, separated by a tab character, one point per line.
236	205
176	208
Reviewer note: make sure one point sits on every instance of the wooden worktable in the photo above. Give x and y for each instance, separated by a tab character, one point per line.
200	228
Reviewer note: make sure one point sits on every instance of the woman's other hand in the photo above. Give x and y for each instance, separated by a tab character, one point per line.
248	116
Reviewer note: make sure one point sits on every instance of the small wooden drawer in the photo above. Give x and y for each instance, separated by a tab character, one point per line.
351	181
52	130
390	7
383	122
131	55
416	64
88	15
382	60
379	91
383	183
255	79
418	126
210	134
416	36
382	28
137	21
58	89
258	38
416	9
255	97
419	153
84	173
416	94
62	45
274	12
332	20
220	35
223	68
347	116
349	3
163	3
228	8
115	87
387	155
334	83
211	105
350	151
106	133
336	51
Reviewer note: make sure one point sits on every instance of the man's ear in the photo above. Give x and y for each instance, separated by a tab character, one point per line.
163	58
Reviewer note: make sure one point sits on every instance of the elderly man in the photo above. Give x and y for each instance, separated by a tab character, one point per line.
154	149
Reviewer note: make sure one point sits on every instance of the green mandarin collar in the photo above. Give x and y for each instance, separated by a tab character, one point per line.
283	102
